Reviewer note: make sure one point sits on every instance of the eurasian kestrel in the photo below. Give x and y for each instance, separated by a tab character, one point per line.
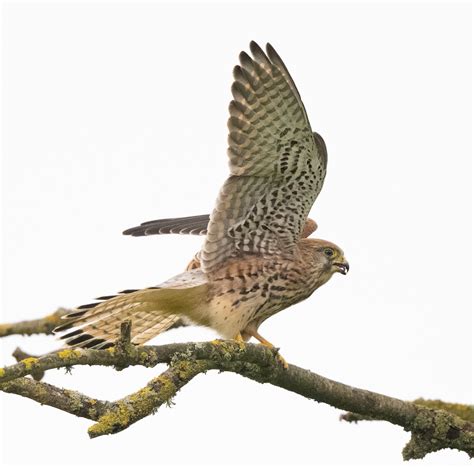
255	260
192	225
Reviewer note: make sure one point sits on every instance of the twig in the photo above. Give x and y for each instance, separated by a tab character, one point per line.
20	355
124	347
36	326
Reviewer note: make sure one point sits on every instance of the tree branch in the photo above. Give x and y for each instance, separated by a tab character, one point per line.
464	411
146	401
36	326
431	429
19	355
72	402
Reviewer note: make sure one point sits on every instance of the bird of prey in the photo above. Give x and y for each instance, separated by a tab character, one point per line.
256	259
193	225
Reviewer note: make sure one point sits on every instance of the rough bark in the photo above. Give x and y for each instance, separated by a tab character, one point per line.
431	427
36	326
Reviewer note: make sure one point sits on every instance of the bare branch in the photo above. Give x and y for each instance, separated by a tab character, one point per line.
461	410
72	402
464	411
146	401
36	326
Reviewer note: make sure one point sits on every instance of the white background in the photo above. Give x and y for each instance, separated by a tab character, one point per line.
114	114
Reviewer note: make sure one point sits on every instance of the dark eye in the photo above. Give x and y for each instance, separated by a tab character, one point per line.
329	252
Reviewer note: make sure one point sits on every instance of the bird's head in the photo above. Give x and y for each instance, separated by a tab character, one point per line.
325	256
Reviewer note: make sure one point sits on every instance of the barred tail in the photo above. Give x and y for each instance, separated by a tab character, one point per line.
151	311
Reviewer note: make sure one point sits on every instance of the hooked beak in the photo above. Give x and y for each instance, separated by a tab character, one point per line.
343	267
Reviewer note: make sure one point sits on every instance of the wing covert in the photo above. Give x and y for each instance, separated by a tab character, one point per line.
277	165
191	225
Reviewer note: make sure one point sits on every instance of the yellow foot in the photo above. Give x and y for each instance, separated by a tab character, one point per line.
279	358
263	341
238	338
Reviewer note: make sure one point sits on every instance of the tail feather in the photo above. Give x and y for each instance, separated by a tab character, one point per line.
145	332
145	325
151	311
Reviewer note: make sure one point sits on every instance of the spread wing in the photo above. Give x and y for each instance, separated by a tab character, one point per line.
191	225
277	165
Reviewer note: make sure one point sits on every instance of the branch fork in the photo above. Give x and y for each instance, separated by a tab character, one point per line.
434	425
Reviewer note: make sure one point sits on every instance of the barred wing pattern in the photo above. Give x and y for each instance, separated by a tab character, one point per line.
277	165
191	225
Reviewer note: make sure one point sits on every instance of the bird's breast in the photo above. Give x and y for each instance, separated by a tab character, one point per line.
243	295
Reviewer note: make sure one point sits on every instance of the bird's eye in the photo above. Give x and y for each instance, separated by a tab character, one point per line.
329	252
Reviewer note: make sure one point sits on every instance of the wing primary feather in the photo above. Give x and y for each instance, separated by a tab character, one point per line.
94	343
272	152
71	334
80	339
192	225
276	59
87	306
63	327
75	314
259	54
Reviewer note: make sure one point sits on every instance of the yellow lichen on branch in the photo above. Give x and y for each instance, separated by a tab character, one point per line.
434	425
110	422
464	411
138	405
30	363
69	354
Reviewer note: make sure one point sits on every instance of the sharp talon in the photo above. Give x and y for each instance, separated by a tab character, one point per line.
268	345
282	361
238	338
277	354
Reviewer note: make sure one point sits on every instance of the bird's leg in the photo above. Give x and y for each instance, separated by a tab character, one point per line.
263	341
240	340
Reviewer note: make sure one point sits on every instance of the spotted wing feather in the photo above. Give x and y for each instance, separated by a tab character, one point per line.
277	165
191	225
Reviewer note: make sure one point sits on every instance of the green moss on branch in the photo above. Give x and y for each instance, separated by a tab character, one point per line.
146	401
431	429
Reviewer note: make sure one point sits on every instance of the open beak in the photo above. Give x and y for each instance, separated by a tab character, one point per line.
343	267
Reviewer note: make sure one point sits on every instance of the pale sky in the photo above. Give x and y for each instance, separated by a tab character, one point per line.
115	114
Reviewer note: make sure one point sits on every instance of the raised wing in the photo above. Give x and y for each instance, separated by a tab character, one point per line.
191	225
277	165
